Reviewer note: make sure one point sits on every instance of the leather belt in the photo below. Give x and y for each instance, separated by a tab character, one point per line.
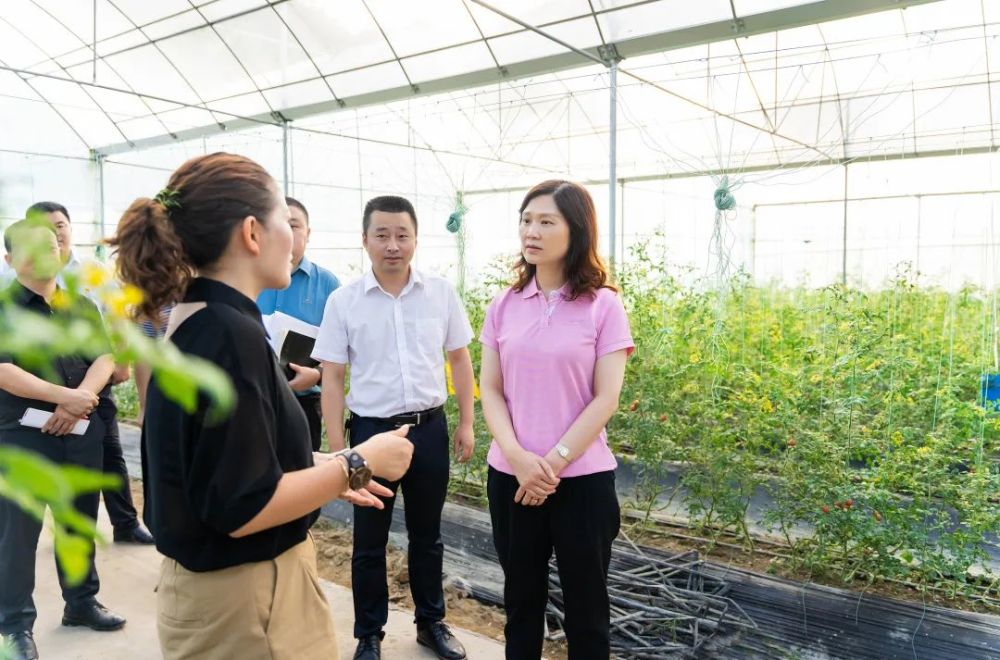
413	418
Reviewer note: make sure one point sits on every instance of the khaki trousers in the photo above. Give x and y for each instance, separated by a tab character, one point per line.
269	610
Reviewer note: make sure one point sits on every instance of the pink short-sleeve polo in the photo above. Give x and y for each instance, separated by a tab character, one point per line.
548	350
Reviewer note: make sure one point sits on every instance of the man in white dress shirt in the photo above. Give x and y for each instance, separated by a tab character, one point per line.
393	327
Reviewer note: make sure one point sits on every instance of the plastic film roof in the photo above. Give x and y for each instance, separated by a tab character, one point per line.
711	85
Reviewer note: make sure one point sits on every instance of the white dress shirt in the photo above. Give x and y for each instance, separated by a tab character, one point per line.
394	346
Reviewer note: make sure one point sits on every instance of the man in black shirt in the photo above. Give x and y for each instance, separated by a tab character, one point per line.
69	390
121	510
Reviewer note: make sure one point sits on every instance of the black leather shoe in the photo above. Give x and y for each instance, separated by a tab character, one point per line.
138	535
369	647
438	638
19	646
93	615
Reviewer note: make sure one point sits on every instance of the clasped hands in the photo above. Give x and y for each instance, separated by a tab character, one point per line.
537	476
74	405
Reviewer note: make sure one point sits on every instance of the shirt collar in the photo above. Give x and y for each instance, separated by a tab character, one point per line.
371	283
531	289
23	296
306	266
202	289
20	294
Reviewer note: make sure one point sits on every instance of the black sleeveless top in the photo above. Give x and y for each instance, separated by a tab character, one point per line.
205	478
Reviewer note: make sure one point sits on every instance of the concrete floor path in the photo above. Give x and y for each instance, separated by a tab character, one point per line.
128	574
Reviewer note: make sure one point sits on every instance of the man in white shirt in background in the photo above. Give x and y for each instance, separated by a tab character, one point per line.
393	327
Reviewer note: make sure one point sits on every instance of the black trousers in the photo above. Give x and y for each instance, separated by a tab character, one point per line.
311	407
425	486
119	504
19	531
579	521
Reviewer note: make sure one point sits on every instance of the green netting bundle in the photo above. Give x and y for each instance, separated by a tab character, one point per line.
455	220
724	199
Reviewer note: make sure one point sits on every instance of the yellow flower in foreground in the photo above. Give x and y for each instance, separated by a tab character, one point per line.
116	305
695	358
93	275
120	301
60	300
923	451
133	295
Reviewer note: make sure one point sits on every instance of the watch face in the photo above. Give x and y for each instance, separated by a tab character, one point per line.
355	460
360	477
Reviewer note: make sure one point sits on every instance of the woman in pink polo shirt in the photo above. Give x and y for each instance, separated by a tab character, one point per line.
554	351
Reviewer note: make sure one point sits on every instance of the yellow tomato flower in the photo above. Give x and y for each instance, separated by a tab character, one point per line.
120	301
116	304
133	295
60	300
93	275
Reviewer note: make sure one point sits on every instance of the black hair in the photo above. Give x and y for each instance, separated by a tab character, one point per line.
388	204
13	233
291	201
46	207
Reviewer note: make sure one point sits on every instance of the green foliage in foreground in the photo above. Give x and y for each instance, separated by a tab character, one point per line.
35	483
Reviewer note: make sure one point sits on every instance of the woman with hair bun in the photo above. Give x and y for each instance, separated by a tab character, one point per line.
231	502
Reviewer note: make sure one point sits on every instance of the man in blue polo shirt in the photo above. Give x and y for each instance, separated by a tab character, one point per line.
304	299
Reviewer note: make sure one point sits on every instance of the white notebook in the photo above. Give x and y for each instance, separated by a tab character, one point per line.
36	419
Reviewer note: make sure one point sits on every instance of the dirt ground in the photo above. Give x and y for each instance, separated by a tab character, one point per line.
333	547
333	554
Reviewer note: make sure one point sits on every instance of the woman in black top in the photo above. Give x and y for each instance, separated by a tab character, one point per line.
231	501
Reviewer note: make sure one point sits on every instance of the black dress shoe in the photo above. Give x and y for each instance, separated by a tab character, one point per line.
93	615
369	647
19	646
138	535
438	638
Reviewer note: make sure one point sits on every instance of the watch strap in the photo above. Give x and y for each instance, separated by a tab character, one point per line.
344	464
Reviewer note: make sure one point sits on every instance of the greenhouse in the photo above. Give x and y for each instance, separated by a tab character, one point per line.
795	202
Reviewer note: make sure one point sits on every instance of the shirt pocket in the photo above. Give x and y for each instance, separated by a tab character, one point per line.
427	334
